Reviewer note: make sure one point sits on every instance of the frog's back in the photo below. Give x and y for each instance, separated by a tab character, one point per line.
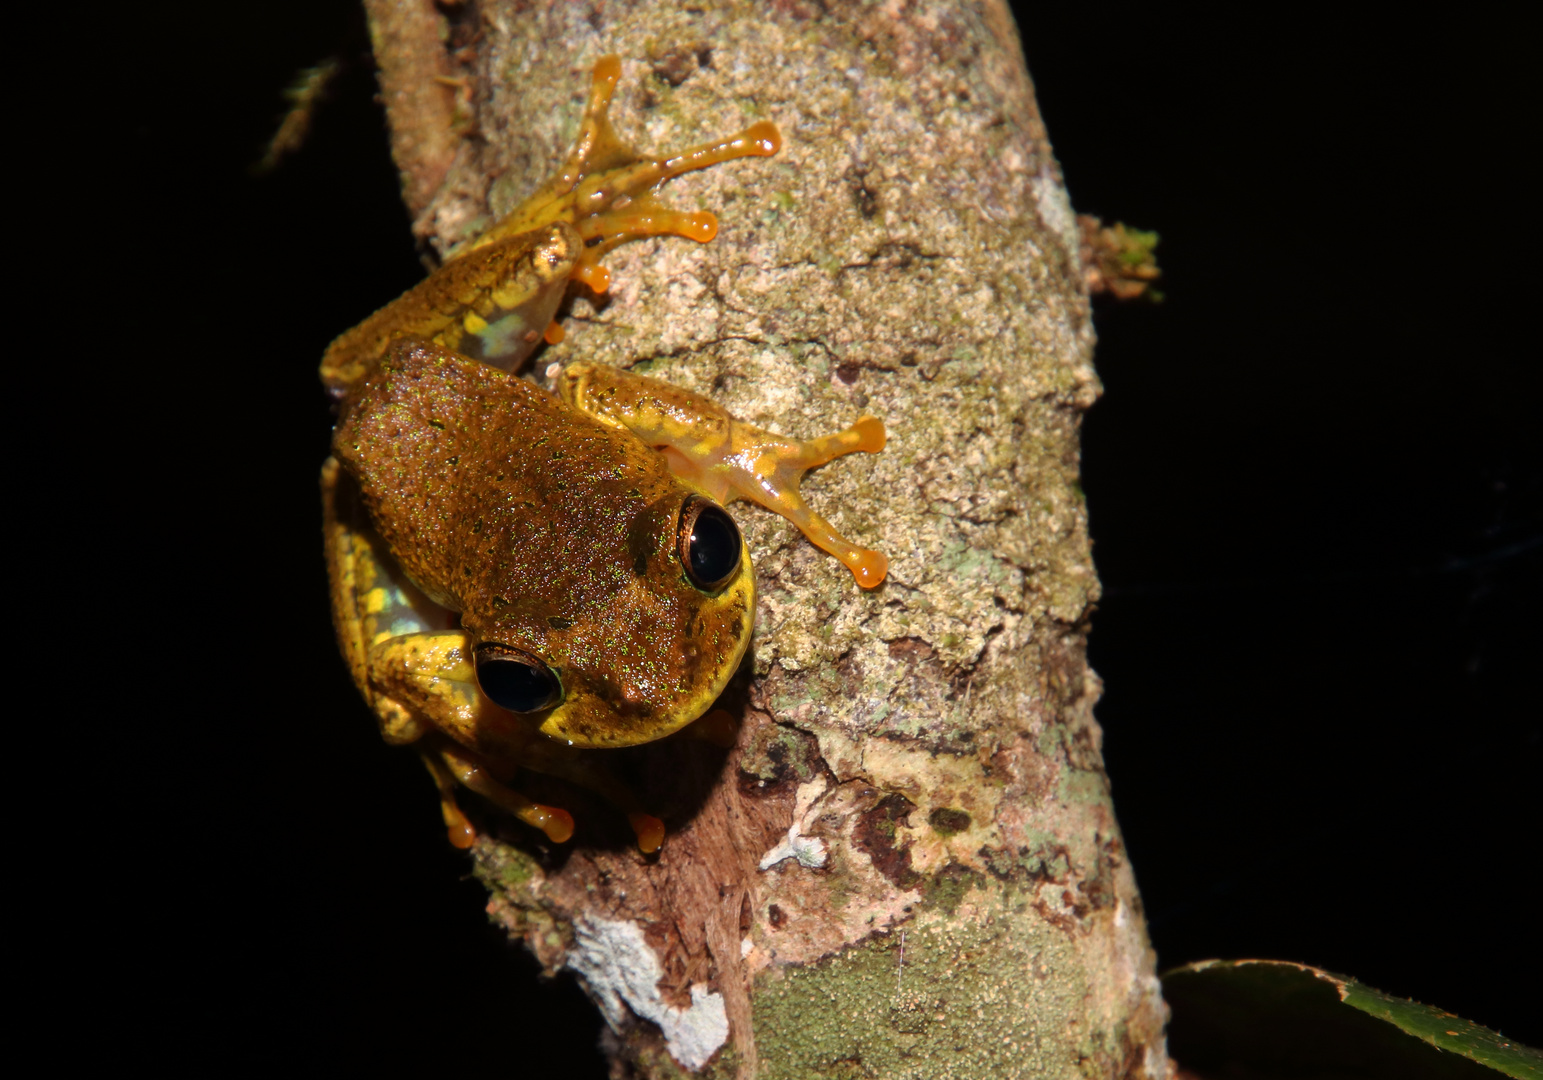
479	481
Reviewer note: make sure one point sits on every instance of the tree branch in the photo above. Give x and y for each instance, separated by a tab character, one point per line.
909	863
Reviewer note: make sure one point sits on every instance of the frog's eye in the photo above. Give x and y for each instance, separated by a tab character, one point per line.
709	543
516	680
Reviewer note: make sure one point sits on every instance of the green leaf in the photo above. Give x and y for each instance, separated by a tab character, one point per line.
1272	1020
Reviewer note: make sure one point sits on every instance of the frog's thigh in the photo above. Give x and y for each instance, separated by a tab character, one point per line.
726	458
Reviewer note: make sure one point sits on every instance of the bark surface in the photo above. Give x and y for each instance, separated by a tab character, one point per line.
908	865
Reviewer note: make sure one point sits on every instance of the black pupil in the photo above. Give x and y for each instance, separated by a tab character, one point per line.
516	686
714	545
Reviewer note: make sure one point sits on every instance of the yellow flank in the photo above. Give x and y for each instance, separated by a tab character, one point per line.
507	297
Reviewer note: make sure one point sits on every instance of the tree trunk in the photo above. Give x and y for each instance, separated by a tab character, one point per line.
908	865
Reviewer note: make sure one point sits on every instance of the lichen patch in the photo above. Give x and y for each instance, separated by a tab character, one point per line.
621	972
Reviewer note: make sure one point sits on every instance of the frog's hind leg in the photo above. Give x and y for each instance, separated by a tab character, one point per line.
450	765
606	188
611	180
597	146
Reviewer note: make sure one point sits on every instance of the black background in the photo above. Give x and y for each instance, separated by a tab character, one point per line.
1315	481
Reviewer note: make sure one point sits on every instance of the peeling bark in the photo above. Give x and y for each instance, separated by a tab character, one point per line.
908	865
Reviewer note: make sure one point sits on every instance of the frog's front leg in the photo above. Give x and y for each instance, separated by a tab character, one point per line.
423	685
450	765
435	674
725	458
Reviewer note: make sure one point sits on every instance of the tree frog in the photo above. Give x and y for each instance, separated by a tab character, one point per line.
516	579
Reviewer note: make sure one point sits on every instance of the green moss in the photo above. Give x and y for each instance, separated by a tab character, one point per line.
653	1060
1138	247
1043	855
1049	742
946	888
787	704
777	749
861	1013
723	1066
507	869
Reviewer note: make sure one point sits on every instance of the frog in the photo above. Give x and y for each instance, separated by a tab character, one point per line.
520	580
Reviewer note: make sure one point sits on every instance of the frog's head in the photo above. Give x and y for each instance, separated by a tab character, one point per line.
643	630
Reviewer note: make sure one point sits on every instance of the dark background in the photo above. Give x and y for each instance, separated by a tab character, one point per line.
1315	481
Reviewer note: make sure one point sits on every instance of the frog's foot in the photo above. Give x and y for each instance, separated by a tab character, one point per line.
451	765
621	205
767	469
589	771
649	830
605	189
454	766
725	458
